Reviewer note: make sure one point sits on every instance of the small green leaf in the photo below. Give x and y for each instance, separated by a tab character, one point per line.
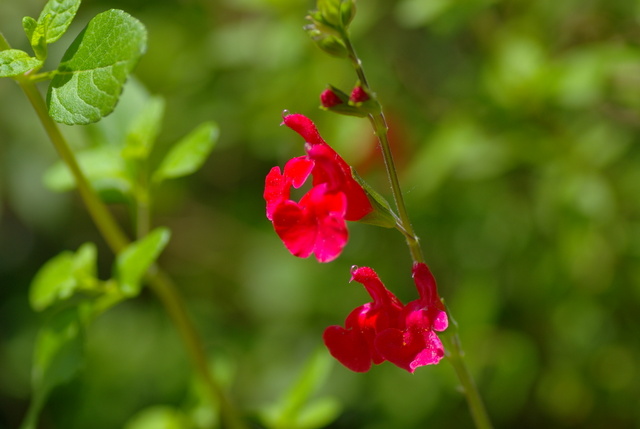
58	356
63	275
156	417
144	130
58	351
36	33
382	214
188	154
90	77
14	62
318	413
134	261
61	13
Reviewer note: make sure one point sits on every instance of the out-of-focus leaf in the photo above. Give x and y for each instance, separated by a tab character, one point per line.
60	14
144	129
159	417
135	260
90	77
63	275
319	413
58	356
188	154
103	167
294	410
14	62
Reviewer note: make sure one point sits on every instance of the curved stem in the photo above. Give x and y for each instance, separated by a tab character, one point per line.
159	282
379	124
455	354
453	346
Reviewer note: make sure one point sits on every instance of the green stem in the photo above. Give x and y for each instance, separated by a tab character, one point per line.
379	124
108	227
455	353
117	241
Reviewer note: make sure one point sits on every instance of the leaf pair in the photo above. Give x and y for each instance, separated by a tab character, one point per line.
88	82
73	275
69	284
125	144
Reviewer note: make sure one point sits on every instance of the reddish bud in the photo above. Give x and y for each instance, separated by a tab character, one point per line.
359	95
328	98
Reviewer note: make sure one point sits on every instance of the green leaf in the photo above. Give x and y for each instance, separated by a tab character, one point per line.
382	214
36	33
158	417
90	77
63	275
134	261
319	413
188	154
103	166
294	409
144	129
14	62
61	13
58	356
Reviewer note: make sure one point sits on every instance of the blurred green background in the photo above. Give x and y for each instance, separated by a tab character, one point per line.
517	132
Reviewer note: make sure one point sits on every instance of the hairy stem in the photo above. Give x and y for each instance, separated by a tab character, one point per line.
117	241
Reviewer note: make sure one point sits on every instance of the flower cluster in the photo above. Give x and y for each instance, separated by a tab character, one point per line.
317	223
385	329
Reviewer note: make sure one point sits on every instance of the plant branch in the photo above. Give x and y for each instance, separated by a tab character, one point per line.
159	282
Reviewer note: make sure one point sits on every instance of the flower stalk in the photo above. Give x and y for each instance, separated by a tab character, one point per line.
339	35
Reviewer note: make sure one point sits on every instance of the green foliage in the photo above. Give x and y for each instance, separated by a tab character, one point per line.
159	417
64	275
58	356
188	154
56	17
296	409
92	72
135	260
14	62
144	130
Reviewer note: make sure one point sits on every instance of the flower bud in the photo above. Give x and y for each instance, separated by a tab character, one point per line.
359	95
329	99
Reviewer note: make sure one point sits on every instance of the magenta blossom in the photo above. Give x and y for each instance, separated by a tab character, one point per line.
386	330
315	224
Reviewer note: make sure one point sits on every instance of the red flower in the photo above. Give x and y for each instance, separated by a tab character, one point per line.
316	224
416	344
354	345
386	330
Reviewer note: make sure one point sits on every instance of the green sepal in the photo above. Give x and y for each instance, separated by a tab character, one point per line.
382	214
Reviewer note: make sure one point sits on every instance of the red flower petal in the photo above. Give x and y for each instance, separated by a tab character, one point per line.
348	347
409	349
